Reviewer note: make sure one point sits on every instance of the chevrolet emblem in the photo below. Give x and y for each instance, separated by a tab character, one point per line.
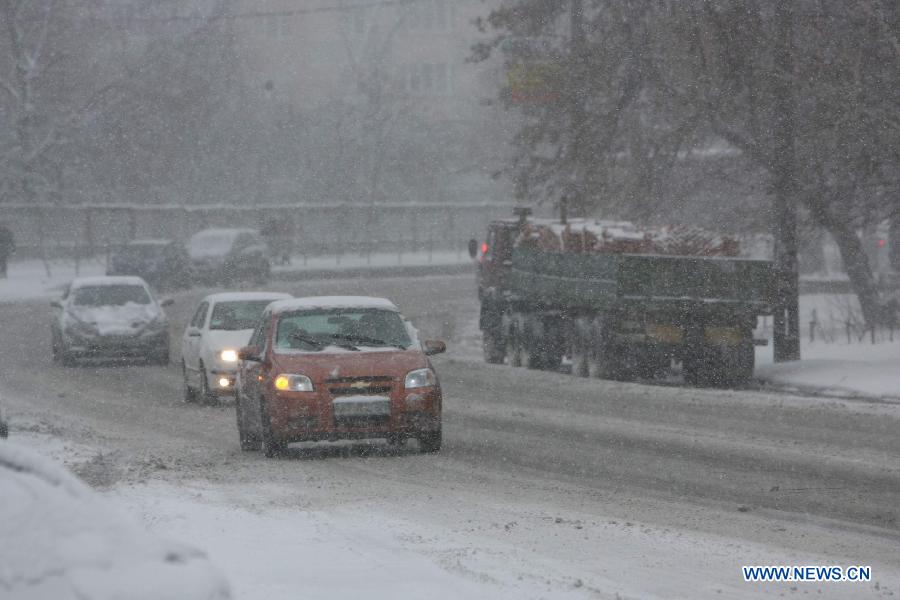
357	385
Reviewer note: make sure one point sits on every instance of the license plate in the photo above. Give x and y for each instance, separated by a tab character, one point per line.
361	406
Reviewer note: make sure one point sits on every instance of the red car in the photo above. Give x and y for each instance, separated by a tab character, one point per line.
333	368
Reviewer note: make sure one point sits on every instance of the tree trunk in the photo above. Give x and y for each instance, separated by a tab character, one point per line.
856	263
786	321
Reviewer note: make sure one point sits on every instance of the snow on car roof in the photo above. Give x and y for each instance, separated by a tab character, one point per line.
333	302
246	296
100	281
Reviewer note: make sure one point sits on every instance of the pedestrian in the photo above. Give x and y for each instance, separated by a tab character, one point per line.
7	247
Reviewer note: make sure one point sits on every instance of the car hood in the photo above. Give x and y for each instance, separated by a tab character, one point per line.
220	339
320	366
117	319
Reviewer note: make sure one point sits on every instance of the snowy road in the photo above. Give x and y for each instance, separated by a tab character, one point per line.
548	485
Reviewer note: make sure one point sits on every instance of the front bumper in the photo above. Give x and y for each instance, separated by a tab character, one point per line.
117	346
314	416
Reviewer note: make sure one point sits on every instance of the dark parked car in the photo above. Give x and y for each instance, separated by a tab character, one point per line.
164	264
222	256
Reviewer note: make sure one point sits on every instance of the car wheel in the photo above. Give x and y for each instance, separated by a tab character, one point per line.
249	441
430	443
207	395
271	447
190	394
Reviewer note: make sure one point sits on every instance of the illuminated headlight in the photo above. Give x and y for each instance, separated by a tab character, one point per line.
293	383
228	355
224	382
419	378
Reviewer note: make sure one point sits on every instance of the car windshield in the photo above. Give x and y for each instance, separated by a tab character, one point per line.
314	330
213	243
234	316
111	295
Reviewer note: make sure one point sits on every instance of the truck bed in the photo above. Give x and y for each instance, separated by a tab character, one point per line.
603	281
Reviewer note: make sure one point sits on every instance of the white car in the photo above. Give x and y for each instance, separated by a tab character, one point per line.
111	318
62	540
221	325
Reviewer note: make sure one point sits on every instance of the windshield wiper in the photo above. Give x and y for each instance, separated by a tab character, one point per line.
361	339
317	344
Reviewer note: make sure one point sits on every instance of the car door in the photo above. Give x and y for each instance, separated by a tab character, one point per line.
191	343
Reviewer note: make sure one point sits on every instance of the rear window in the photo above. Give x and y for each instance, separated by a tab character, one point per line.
234	316
111	295
313	330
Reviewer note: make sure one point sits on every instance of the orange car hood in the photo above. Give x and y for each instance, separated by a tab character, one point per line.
320	366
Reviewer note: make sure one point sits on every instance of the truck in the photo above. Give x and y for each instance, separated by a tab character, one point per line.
619	302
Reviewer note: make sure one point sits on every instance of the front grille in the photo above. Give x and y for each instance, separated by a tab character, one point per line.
359	421
360	386
361	391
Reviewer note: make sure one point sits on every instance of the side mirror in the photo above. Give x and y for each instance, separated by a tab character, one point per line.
250	353
473	248
167	302
56	304
433	347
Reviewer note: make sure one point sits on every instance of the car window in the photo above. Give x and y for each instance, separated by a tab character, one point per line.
200	315
111	295
234	316
317	329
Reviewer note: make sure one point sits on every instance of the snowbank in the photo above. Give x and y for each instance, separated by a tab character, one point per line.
61	540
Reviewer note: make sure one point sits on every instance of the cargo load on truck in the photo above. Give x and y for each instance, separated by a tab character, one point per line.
619	301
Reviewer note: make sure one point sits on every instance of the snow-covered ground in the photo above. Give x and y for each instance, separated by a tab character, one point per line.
831	364
275	542
300	262
29	279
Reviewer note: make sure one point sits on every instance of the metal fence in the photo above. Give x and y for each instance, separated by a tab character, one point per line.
314	228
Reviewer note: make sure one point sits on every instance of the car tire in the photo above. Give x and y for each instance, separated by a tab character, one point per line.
190	394
430	443
207	395
249	442
270	446
65	357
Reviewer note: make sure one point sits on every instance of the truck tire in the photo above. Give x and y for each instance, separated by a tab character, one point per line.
720	367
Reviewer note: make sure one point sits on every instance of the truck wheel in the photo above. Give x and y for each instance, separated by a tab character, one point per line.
430	443
494	352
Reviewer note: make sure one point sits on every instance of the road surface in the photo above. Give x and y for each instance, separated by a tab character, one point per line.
548	485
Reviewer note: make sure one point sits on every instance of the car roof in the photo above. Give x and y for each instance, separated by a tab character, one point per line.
100	281
248	296
327	302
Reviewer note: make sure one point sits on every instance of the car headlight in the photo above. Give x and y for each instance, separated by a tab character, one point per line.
228	355
293	383
420	378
